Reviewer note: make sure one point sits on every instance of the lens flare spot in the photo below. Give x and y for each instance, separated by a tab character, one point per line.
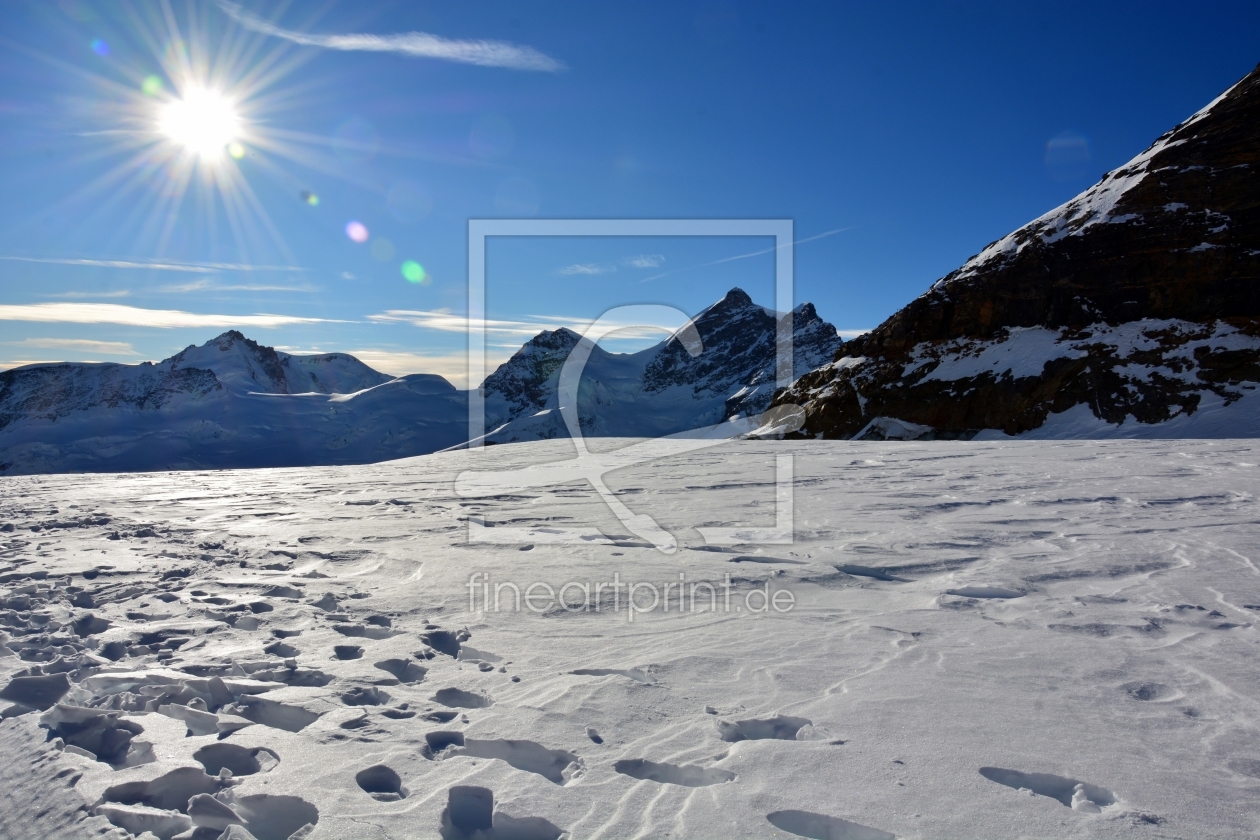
236	150
382	249
357	231
100	47
176	53
309	197
152	86
414	272
203	122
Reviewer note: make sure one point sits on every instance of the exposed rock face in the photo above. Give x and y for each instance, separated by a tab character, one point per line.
1139	298
48	392
523	383
739	355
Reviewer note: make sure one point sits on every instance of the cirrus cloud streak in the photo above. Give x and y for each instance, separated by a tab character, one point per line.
195	268
81	345
414	44
132	316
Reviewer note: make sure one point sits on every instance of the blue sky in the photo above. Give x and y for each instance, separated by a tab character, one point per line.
900	139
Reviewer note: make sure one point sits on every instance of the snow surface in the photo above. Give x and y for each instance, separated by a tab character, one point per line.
1095	674
1025	351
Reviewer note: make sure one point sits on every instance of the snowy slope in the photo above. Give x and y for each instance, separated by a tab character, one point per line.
977	630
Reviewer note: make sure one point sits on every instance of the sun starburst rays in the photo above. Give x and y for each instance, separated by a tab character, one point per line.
182	130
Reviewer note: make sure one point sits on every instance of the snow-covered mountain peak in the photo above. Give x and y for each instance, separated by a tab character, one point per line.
240	363
245	366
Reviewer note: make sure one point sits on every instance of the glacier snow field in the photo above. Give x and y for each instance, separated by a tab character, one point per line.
1024	639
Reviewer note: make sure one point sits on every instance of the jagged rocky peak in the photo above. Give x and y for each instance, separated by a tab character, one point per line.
1139	298
739	356
525	382
664	388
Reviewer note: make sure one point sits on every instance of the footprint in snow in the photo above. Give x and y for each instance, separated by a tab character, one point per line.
984	592
822	827
1073	793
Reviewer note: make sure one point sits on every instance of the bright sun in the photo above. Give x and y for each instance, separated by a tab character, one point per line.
203	122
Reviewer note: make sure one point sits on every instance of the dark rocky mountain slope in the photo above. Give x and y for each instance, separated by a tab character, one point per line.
1133	309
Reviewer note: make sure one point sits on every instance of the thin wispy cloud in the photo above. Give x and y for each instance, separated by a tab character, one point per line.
212	286
587	268
445	321
646	261
132	316
79	345
155	265
415	44
749	255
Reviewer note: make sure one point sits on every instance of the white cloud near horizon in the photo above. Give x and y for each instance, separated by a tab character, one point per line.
451	366
415	44
9	364
132	316
154	265
83	345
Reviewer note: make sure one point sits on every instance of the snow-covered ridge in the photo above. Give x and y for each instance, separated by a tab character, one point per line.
228	403
232	402
243	364
1095	206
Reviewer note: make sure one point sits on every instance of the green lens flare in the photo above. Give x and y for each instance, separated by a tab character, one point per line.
413	271
151	85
